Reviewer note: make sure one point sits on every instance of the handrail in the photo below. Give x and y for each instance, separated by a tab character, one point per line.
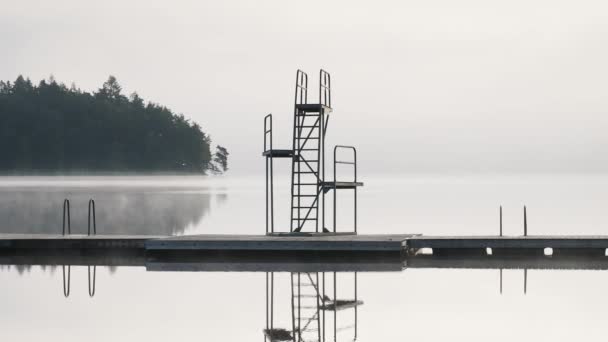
268	132
66	209
269	174
324	88
92	205
301	87
354	164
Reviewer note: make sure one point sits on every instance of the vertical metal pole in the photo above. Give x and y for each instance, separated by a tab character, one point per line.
501	281
320	171
501	220
271	193
356	305
267	300
66	284
91	210
266	190
335	309
293	309
318	307
335	193
525	280
525	222
92	288
299	309
66	211
355	167
324	305
271	300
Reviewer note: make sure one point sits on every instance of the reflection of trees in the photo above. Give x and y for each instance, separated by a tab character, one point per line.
143	211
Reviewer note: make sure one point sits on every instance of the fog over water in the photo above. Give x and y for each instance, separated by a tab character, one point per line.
131	303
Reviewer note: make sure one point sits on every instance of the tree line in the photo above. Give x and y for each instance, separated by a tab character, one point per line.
49	127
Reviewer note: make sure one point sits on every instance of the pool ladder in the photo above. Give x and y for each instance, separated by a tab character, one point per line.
67	224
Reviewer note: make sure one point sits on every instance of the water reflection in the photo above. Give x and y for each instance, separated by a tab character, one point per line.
133	211
67	280
316	312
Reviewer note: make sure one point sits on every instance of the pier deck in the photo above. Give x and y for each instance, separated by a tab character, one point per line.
530	241
73	241
314	242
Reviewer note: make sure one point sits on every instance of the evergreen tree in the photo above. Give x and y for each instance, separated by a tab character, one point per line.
50	127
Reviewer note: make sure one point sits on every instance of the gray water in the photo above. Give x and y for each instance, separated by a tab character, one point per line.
131	303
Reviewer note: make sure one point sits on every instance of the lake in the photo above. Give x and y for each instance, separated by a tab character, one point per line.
133	303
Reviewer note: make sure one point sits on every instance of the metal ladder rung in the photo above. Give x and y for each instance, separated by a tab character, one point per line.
308	219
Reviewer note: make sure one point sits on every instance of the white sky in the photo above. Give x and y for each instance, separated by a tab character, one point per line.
419	86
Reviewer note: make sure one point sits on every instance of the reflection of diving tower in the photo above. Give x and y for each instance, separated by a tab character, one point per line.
314	311
308	184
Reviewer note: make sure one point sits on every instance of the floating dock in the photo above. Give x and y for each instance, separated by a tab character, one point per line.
301	243
306	252
410	244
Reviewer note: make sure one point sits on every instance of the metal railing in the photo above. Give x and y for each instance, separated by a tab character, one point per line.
269	174
324	88
66	213
92	206
301	87
352	162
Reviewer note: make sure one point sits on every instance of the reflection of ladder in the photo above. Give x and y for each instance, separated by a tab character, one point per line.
307	169
305	301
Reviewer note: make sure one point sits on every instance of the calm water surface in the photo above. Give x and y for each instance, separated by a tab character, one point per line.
131	303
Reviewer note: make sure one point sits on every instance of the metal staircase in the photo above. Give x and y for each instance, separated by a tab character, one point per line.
308	184
307	169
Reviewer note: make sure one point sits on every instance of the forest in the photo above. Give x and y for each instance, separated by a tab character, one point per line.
52	128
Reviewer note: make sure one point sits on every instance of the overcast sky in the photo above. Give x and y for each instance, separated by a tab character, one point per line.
436	86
